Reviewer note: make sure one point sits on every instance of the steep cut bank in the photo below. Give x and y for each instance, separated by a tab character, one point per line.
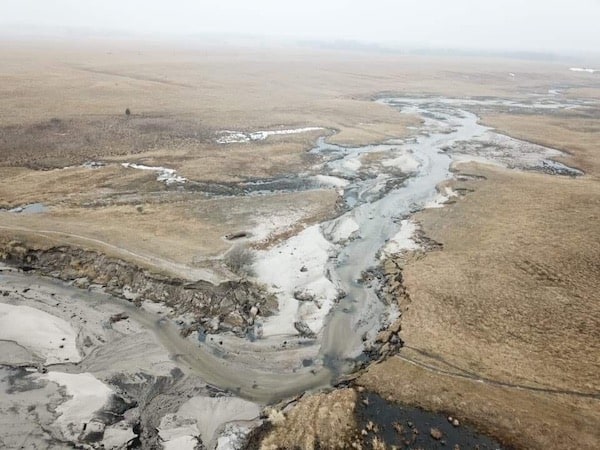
231	302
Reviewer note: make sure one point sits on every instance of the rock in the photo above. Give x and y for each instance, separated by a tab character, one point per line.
81	283
384	336
93	431
254	311
436	434
455	423
396	326
128	293
304	295
117	317
234	319
304	329
303	269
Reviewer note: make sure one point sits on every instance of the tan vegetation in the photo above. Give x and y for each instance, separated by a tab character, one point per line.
510	299
319	421
573	134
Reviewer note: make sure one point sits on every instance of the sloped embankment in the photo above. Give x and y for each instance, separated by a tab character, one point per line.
227	306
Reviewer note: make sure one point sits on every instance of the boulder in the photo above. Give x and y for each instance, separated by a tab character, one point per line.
304	295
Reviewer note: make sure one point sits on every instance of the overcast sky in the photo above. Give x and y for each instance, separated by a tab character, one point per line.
538	25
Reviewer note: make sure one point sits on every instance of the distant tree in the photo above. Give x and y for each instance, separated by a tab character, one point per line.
127	112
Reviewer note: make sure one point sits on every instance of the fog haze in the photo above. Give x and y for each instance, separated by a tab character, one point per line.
546	26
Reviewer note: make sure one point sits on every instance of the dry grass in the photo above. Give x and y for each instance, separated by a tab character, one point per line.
511	298
180	231
318	421
372	133
517	283
576	135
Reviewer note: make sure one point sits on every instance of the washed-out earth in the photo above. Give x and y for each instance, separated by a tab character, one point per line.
290	249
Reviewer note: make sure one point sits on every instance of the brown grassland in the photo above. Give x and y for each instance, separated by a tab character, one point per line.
503	325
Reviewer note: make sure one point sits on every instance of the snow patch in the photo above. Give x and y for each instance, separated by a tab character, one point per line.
118	435
164	175
341	230
233	437
48	336
406	163
267	226
282	267
88	395
441	198
402	241
232	137
328	180
203	416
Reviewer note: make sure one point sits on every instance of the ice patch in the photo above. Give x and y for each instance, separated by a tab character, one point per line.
50	337
164	175
402	241
298	265
88	395
232	137
32	208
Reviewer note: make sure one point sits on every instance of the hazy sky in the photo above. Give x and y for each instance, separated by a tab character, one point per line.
541	25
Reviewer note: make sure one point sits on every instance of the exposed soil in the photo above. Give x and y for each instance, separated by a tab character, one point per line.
215	308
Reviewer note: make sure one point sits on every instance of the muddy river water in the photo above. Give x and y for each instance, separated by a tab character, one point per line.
382	185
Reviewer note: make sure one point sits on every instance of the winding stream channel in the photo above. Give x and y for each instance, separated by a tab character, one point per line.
382	185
